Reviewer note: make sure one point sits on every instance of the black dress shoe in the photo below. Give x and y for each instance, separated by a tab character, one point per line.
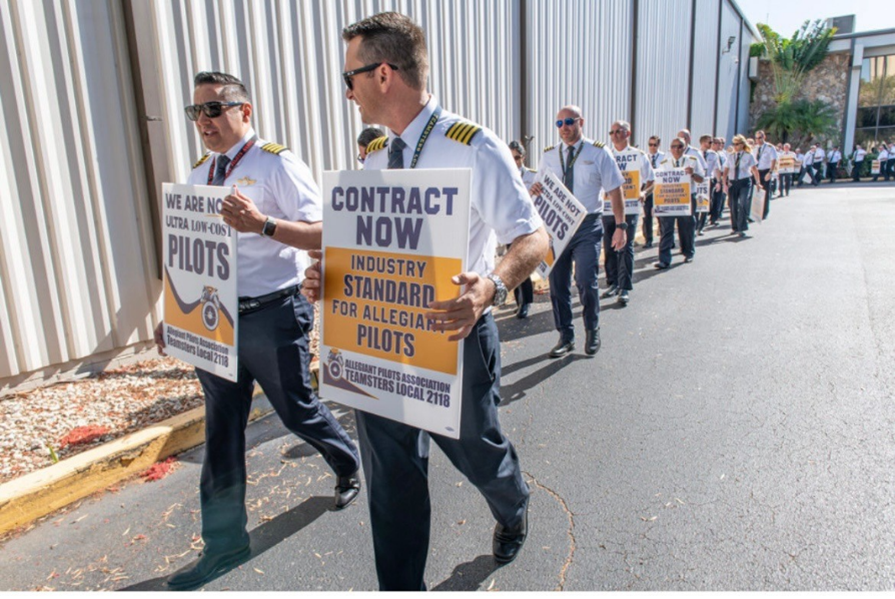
522	312
508	541
660	265
208	566
562	348
688	259
613	290
624	297
592	343
648	244
346	490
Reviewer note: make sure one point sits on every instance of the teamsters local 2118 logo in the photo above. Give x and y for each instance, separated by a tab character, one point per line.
335	374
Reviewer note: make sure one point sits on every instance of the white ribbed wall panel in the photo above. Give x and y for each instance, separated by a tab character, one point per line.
706	51
728	72
290	55
578	53
663	69
76	243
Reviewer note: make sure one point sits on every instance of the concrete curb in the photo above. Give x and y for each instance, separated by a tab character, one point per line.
42	492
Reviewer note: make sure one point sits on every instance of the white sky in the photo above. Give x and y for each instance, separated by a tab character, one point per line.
786	16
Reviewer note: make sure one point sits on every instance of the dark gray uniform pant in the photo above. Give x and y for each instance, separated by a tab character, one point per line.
768	193
396	463
739	210
584	251
620	264
648	218
273	349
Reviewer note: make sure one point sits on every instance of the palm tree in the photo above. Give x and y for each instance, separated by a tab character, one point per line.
792	59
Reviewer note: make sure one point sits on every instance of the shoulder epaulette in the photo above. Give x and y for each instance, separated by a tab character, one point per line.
202	161
599	144
377	144
529	170
548	148
462	131
274	148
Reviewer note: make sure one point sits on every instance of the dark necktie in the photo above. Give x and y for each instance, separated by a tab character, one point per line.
568	177
396	153
653	159
220	171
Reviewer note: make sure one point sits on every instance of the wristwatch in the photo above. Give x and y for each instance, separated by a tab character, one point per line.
269	228
622	226
500	290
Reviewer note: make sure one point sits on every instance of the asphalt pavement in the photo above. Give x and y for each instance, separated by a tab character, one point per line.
735	432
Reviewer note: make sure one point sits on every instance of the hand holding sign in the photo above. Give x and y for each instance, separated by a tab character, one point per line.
240	212
461	313
310	287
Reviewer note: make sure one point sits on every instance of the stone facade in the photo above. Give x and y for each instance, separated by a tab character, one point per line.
828	82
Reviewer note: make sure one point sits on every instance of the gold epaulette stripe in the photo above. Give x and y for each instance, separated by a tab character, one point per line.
548	148
202	161
599	144
274	148
377	144
462	132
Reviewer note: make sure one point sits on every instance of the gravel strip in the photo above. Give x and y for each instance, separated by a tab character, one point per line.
34	425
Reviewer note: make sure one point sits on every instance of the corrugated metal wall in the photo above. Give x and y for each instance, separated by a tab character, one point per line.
78	272
728	72
663	69
74	270
578	53
702	112
290	55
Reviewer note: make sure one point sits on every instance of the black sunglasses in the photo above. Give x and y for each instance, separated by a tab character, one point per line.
347	75
614	131
210	109
567	121
677	147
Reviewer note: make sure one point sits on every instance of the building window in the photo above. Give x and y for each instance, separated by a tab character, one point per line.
875	120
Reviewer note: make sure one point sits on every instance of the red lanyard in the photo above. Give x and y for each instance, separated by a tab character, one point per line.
233	163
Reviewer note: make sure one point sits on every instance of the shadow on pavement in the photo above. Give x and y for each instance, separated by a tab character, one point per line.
516	391
468	576
263	537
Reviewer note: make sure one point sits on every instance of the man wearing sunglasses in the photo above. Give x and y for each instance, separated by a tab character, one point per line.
386	68
717	192
620	265
766	161
276	209
655	156
586	168
686	225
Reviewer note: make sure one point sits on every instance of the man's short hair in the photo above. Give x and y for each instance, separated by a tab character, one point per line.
518	147
393	38
368	135
234	90
707	138
657	138
624	125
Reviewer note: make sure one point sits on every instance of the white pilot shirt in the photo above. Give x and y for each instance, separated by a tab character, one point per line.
632	159
691	151
764	155
739	165
655	159
835	156
594	171
819	155
529	176
883	155
859	155
712	162
282	187
500	203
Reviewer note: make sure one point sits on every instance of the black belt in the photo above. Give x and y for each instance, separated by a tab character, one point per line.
253	303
